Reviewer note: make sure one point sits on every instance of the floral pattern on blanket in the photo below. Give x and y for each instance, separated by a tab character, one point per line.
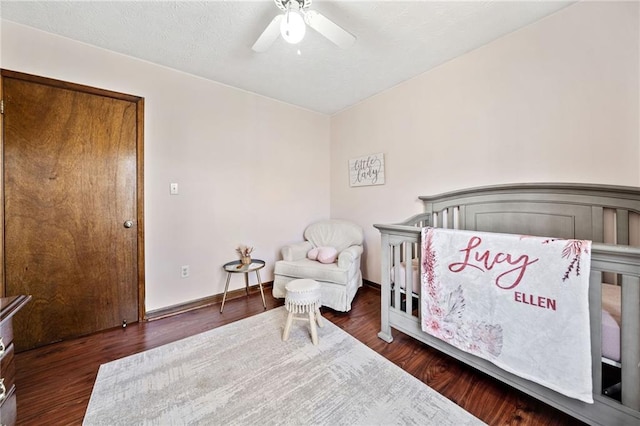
573	249
445	319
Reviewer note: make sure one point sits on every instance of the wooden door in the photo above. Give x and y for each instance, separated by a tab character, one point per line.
72	165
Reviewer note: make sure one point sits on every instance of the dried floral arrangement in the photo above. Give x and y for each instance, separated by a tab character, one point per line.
244	251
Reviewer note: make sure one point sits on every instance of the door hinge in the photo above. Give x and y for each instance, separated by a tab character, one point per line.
2	106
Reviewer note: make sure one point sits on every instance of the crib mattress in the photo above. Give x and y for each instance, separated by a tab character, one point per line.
611	298
401	281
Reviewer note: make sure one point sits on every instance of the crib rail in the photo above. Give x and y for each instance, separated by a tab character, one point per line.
400	309
624	261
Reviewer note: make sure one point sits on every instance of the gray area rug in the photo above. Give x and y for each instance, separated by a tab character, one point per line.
244	374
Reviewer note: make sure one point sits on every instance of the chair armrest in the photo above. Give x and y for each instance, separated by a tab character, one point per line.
296	251
348	256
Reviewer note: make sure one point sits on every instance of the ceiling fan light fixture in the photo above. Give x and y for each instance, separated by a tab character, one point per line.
292	27
292	23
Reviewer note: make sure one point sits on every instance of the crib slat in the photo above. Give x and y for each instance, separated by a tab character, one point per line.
444	218
408	278
622	227
595	319
597	224
408	259
397	259
622	230
630	342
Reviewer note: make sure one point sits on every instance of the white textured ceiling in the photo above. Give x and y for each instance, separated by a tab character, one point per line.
396	40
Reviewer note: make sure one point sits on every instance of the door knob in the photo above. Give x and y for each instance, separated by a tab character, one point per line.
128	223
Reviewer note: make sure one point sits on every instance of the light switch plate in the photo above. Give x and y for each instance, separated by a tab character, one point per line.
173	189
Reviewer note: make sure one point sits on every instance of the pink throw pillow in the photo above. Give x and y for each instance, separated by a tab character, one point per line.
313	254
327	254
323	254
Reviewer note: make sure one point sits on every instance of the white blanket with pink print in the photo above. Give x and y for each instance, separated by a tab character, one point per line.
520	302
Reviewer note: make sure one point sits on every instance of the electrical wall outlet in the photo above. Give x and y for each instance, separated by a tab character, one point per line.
184	271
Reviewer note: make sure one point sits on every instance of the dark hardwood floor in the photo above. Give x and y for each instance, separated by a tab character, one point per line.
54	382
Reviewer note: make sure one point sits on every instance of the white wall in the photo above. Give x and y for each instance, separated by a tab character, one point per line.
250	170
554	101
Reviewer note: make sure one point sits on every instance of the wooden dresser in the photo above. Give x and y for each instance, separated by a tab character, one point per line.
9	306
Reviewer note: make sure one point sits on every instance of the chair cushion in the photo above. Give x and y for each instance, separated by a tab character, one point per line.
323	254
311	269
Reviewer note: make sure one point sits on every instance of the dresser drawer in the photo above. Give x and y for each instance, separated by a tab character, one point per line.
6	333
9	409
8	406
8	369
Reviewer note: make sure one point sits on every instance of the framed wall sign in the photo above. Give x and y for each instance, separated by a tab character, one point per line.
368	170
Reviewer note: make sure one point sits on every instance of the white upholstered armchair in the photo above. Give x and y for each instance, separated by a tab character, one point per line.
339	280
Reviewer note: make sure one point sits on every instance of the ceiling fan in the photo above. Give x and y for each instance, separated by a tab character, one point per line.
292	26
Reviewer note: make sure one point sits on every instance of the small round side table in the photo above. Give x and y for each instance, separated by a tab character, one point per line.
235	267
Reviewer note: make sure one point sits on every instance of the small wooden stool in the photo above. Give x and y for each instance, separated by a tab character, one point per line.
303	296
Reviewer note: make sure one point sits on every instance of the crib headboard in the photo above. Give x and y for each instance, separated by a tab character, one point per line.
600	213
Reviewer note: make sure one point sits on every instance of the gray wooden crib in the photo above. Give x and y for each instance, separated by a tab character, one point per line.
607	215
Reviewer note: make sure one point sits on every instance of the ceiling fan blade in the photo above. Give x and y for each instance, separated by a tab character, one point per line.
329	29
268	36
